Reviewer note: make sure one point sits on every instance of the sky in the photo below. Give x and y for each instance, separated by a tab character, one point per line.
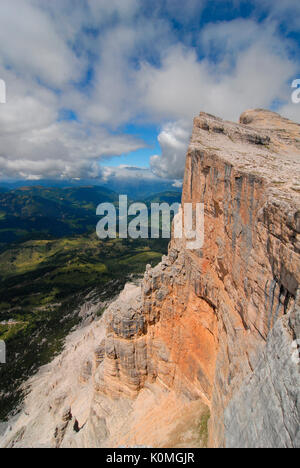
100	89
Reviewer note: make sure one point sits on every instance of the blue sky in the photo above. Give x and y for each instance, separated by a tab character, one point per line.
97	87
140	158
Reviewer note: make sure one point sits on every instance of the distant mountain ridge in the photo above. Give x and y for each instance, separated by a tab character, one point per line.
134	188
50	212
43	213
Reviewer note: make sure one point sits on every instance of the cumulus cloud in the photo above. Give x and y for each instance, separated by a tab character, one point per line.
102	9
61	150
287	12
35	143
109	64
252	73
252	68
127	173
31	46
173	139
41	71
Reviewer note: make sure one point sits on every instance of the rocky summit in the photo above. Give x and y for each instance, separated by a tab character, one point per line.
204	351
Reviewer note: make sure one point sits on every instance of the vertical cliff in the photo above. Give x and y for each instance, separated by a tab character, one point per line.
211	329
248	179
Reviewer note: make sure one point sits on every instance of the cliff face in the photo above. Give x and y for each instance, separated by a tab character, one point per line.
214	328
249	266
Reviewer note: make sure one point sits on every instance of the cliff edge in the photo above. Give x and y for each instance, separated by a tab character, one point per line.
209	331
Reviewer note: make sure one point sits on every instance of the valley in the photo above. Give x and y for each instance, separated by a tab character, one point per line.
51	261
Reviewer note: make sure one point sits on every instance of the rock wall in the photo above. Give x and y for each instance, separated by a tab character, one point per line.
249	266
264	413
205	315
215	327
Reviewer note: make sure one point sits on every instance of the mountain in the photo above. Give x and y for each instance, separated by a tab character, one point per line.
38	212
164	197
51	264
16	184
26	201
141	189
203	352
44	213
135	188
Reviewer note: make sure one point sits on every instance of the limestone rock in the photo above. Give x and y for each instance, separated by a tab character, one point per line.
214	328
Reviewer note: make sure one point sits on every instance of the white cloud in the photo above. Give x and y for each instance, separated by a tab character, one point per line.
35	144
140	70
173	139
287	12
126	173
251	74
177	183
30	44
228	38
36	54
102	9
291	111
191	10
253	69
112	90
